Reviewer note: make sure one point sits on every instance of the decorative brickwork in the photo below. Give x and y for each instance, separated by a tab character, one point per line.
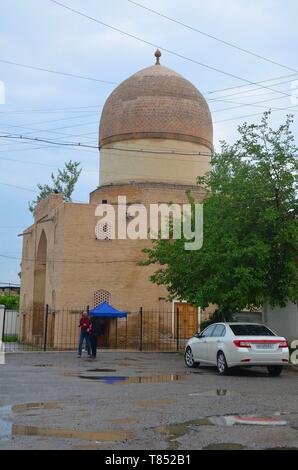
101	296
156	102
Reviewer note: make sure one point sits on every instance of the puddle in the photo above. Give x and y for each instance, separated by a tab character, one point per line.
172	432
123	380
8	430
20	408
224	446
154	403
220	392
69	374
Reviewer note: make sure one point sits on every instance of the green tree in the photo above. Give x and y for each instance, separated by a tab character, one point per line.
249	253
10	301
64	183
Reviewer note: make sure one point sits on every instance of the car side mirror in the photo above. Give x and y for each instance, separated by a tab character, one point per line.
197	335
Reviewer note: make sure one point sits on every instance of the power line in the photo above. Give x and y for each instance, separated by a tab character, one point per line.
24	142
169	51
211	36
70	260
54	130
78	144
252	115
74	108
36	139
30	162
18	187
241	105
69	109
24	136
85	135
244	92
41	69
131	149
169	154
61	119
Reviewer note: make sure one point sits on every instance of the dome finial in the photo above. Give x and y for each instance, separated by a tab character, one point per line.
157	55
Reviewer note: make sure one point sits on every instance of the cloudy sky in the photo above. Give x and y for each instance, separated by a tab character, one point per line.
42	34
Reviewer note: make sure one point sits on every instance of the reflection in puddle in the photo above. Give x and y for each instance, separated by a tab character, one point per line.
8	430
172	432
69	374
123	380
20	408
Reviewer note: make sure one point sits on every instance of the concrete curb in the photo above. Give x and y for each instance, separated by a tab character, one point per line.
292	367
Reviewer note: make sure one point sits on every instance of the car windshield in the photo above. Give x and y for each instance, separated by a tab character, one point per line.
251	330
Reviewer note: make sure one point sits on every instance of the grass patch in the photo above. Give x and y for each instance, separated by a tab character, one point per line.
10	339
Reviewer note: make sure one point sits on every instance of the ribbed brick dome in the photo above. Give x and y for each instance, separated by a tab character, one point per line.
156	103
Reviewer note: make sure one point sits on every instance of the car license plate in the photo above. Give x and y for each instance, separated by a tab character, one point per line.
265	346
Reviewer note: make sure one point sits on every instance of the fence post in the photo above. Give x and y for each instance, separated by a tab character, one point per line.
141	329
177	330
116	333
3	324
46	328
126	331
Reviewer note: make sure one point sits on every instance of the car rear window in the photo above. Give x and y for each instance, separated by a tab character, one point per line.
251	330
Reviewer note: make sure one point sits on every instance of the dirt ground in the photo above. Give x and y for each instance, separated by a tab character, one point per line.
126	400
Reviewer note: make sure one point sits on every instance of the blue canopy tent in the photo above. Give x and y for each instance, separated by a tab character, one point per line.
106	311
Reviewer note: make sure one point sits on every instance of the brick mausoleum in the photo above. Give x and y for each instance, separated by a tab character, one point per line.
155	138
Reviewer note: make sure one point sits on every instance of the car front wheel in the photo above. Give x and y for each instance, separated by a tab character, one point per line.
274	371
189	359
222	365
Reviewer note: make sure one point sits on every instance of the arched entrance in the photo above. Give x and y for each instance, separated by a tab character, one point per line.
39	286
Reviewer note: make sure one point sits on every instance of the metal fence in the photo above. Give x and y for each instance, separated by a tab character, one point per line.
45	329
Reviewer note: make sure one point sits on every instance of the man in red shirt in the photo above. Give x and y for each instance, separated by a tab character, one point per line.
85	326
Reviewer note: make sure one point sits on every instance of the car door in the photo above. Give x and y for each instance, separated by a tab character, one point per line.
214	341
200	345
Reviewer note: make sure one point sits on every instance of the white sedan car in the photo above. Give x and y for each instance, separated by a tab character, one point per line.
237	344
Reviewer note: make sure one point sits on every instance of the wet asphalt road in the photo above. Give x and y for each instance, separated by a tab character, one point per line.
141	401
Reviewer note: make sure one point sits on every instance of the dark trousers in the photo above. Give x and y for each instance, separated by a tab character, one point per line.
93	345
